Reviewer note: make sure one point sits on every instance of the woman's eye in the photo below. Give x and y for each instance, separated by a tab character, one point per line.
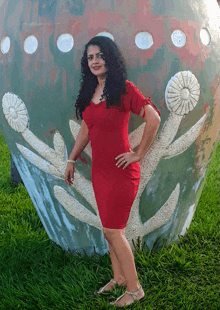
98	56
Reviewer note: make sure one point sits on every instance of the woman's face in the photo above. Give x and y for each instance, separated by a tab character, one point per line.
95	61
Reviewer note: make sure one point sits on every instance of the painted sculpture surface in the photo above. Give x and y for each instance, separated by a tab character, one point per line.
172	53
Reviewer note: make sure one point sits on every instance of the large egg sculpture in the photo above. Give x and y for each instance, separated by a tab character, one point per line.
172	51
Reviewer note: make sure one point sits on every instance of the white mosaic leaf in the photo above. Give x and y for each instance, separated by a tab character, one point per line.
74	128
183	142
75	208
59	146
38	161
164	213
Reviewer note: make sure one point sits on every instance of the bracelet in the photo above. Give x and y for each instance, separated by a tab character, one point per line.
71	161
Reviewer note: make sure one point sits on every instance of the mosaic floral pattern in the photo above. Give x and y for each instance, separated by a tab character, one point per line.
182	93
15	112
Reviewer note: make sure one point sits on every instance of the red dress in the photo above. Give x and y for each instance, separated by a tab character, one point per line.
115	188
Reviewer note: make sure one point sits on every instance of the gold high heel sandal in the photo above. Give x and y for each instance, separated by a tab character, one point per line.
134	295
102	289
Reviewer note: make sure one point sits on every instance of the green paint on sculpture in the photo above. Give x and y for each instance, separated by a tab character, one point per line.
47	82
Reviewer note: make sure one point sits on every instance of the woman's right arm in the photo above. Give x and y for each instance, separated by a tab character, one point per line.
81	142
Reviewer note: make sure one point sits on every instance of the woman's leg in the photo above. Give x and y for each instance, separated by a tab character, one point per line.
117	271
124	254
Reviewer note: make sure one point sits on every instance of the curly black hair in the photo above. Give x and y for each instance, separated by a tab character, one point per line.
115	76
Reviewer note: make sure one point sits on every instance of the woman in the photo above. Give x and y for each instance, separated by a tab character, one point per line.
104	103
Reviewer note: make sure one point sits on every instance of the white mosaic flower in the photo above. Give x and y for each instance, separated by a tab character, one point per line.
182	93
15	112
54	160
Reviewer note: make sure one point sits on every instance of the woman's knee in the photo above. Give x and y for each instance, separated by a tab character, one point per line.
111	234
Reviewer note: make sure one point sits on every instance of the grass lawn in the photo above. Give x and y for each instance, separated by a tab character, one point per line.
37	274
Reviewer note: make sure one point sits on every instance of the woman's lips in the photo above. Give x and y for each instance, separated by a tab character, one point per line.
96	68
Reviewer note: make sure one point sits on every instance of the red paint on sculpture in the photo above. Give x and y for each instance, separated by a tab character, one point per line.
53	75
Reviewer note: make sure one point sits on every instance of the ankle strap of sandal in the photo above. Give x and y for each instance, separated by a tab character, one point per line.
135	294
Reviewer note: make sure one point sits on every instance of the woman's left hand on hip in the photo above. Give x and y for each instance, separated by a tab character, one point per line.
126	159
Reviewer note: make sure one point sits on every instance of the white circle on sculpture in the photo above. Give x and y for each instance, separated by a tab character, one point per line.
30	44
65	42
205	37
178	38
106	34
5	45
144	40
185	93
15	112
182	93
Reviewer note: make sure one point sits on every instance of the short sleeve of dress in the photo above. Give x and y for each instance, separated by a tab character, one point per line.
138	100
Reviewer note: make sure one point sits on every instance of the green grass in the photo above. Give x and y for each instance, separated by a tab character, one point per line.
37	274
